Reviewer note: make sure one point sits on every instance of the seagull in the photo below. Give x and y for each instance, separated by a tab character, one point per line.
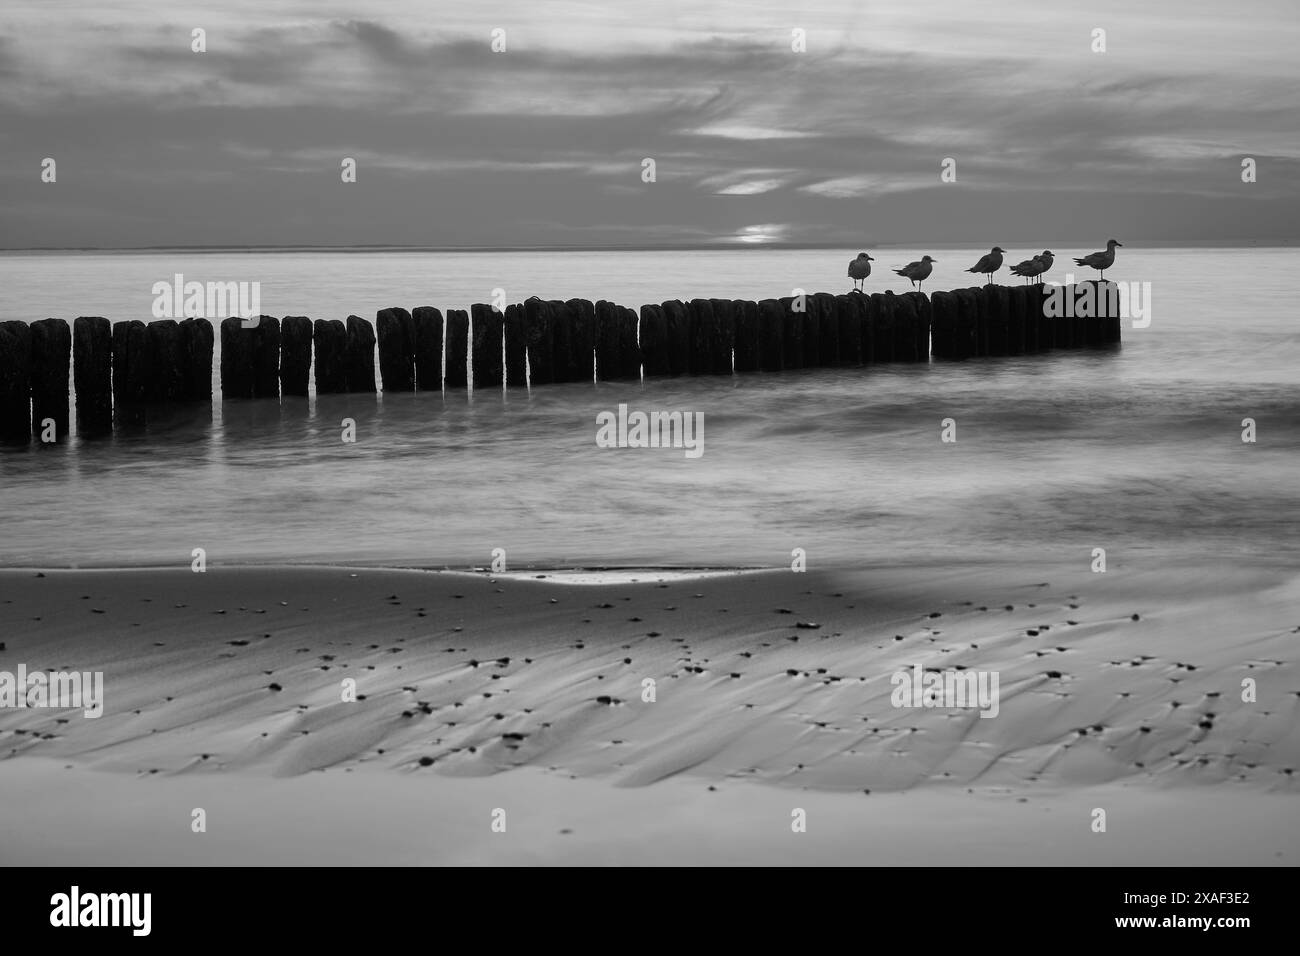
1101	261
917	272
1046	258
990	263
1029	269
859	269
1035	267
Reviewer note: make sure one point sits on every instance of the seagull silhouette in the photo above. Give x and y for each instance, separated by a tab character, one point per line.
990	263
917	272
1101	261
859	269
1035	267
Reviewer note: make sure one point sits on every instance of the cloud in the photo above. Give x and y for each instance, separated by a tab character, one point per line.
546	140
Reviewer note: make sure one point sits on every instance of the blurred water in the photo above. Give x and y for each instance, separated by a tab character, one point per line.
1137	450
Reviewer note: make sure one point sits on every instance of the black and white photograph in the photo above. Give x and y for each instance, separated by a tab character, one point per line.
677	434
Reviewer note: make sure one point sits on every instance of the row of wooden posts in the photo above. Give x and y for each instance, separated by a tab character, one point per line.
120	370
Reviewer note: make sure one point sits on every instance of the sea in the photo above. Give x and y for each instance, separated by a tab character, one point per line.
1137	449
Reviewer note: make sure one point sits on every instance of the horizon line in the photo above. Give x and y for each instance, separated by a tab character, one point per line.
637	247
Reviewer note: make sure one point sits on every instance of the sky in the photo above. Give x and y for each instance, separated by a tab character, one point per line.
545	143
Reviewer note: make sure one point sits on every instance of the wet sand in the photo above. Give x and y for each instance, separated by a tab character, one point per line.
772	694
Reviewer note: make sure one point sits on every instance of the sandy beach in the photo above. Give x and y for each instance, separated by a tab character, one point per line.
526	693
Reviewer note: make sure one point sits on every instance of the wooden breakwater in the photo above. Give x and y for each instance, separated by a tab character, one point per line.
121	370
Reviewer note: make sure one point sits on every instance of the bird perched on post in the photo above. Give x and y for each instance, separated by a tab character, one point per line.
1101	261
1029	269
990	263
1035	267
917	272
1046	258
859	269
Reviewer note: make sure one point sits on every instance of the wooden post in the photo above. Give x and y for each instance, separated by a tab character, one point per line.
236	359
722	341
167	386
771	335
678	320
702	335
746	314
793	326
812	332
629	348
883	326
609	366
457	363
92	362
51	358
905	320
489	327
266	357
516	347
654	341
943	344
331	345
427	323
395	329
868	312
295	355
966	333
1036	295
829	327
15	382
197	340
361	355
924	319
582	339
849	320
541	342
557	313
993	329
1109	331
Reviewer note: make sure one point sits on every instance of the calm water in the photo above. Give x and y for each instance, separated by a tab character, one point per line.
1136	450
